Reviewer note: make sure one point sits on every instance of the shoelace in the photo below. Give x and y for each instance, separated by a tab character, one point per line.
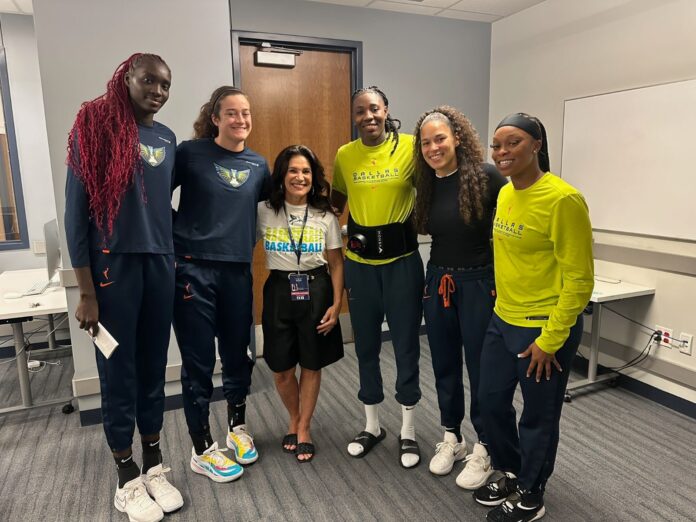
159	478
137	493
445	289
242	439
218	458
440	446
475	461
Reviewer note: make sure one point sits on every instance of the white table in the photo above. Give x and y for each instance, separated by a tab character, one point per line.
18	311
605	290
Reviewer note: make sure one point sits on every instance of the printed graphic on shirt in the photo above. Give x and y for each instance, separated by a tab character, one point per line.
276	239
508	228
235	178
376	176
153	156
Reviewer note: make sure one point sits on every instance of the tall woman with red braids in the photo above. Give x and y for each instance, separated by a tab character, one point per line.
119	232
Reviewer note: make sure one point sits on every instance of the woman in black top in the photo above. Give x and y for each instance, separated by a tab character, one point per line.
455	205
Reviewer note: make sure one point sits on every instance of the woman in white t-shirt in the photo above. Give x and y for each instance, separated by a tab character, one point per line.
301	299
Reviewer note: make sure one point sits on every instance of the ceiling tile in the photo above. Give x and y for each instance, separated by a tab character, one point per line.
354	3
24	6
428	3
466	15
499	7
411	7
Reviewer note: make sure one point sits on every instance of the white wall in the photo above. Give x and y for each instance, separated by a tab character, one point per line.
80	44
561	49
30	128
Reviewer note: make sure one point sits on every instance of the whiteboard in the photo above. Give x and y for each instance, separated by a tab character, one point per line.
633	156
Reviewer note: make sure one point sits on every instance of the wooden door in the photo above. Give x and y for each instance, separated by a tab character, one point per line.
308	104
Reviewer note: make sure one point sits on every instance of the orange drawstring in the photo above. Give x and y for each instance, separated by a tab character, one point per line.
446	288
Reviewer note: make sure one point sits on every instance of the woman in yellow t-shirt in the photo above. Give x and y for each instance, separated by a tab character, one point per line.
542	241
383	269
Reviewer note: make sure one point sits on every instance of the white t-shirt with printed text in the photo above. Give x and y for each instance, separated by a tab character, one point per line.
321	233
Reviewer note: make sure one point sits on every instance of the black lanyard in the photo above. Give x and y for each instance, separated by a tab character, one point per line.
296	247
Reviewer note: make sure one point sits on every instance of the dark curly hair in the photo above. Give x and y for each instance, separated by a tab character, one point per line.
204	127
391	125
317	198
472	179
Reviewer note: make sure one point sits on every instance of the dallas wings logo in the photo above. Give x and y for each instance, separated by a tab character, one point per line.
235	178
153	156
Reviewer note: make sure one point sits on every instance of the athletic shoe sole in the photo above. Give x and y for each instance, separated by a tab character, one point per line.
472	487
131	519
215	478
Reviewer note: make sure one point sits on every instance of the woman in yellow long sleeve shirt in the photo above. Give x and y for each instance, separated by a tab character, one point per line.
544	277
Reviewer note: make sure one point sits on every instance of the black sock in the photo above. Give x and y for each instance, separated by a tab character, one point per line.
127	469
201	442
235	414
457	432
151	454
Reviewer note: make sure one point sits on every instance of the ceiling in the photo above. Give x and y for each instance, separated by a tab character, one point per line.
476	10
16	6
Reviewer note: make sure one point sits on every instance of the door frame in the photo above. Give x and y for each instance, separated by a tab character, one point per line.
300	42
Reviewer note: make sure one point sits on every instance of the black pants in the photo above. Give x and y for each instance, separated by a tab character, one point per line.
213	299
530	453
461	324
135	293
394	289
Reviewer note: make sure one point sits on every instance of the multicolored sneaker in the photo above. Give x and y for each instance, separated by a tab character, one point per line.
214	465
242	443
159	488
133	500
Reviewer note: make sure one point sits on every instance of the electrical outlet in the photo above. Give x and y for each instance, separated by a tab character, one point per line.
687	341
665	341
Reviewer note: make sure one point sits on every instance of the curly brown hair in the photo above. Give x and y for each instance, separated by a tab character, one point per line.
472	179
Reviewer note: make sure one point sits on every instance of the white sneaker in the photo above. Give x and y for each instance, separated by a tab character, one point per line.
447	453
159	488
477	469
133	500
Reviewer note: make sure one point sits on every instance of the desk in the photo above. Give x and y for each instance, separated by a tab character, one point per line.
605	290
18	311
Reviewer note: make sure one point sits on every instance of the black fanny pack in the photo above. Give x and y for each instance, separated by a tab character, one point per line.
382	242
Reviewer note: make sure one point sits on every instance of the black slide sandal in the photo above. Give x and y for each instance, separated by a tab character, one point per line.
407	446
368	441
289	440
305	448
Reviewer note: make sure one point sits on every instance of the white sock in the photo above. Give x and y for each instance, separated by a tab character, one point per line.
408	431
371	426
372	419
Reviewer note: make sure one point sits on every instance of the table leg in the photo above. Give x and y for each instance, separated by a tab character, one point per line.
52	334
21	360
592	377
594	343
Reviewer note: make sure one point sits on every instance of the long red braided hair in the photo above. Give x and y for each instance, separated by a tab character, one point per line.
103	148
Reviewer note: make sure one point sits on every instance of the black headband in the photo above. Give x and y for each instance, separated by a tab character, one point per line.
535	129
528	124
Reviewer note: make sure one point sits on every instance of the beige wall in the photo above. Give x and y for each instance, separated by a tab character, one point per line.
564	49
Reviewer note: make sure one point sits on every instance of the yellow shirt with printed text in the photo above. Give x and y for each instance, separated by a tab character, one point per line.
379	185
544	268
